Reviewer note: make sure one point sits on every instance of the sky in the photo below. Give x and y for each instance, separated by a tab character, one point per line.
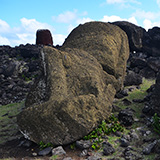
20	19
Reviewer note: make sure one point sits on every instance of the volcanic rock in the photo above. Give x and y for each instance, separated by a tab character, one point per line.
140	39
155	97
135	34
18	68
107	148
153	41
126	117
132	78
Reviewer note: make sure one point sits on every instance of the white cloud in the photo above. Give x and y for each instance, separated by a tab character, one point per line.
148	24
4	41
111	18
31	25
158	2
83	20
84	13
117	18
58	39
114	1
135	2
25	33
66	17
24	38
133	20
4	26
122	1
141	14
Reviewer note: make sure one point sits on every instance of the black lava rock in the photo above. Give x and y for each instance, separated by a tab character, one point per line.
126	117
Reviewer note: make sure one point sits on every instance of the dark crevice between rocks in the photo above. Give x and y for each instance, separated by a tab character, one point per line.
108	70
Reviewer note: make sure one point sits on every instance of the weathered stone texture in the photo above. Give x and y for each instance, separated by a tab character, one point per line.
78	85
107	43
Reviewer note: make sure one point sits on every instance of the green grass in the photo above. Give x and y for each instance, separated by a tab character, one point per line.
54	157
8	126
112	140
111	125
150	157
141	93
11	109
137	107
136	94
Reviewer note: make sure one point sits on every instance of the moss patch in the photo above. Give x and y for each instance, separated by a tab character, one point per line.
136	94
8	126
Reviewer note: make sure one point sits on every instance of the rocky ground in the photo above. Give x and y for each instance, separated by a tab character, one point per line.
19	68
137	141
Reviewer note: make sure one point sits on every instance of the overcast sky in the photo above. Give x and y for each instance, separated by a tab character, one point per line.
20	19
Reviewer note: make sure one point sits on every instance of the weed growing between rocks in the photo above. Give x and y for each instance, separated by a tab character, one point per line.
135	94
111	125
43	145
156	123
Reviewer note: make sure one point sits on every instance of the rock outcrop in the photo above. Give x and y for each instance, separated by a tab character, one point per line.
141	40
135	34
153	41
144	49
44	37
77	86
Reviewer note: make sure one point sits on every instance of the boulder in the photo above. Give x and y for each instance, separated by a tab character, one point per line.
132	78
74	93
140	39
44	37
153	41
135	34
155	97
107	43
108	148
154	63
125	116
148	73
138	62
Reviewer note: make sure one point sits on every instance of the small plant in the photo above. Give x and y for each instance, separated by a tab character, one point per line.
156	123
97	143
54	157
33	58
23	76
105	128
72	146
43	145
26	78
114	125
